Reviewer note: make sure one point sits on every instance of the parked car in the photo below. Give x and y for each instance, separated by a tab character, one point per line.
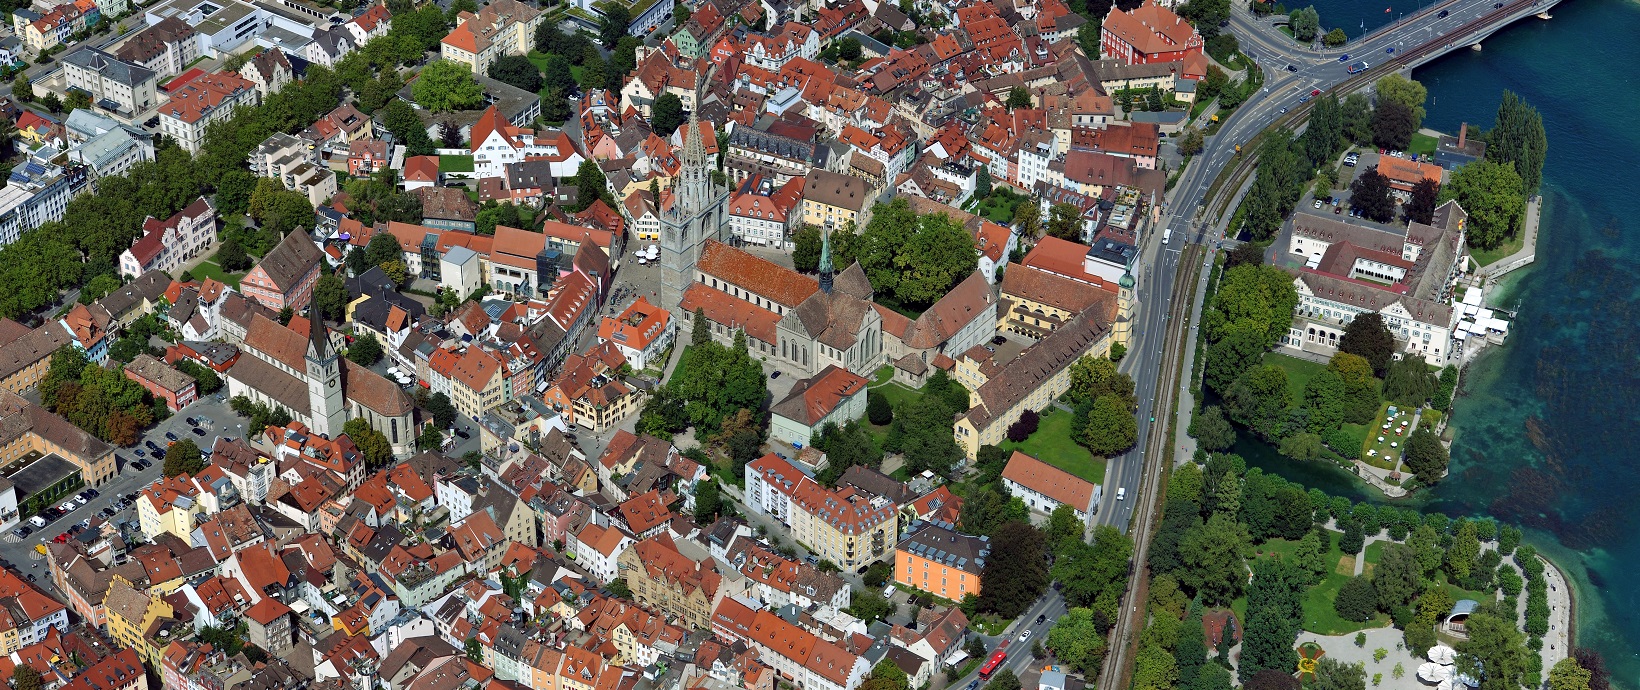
463	433
198	431
170	436
190	421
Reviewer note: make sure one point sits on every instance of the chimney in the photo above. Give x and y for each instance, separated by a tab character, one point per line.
1463	134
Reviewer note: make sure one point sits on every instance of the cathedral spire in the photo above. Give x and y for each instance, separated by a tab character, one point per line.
694	184
825	261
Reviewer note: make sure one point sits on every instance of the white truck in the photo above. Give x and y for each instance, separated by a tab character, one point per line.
1167	235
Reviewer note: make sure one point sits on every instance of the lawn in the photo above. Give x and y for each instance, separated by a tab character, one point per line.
1380	453
209	269
999	206
883	375
1052	444
1423	144
1299	373
1319	616
1321	619
455	164
1489	256
897	393
1374	551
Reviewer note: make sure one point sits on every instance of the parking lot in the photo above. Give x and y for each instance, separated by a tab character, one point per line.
130	478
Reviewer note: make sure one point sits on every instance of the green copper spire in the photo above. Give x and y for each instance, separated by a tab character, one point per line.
825	261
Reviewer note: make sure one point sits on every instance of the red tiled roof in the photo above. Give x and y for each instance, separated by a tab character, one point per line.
1049	481
759	276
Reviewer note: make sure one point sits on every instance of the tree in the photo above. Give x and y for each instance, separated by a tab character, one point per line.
870	606
1490	192
1211	430
1409	93
1274	616
1332	674
1518	139
474	650
1421	208
1336	38
77	100
1076	640
430	438
1063	526
1029	219
701	330
26	678
1393	125
52	103
446	85
401	120
849	49
614	24
518	71
1356	600
1018	97
1398	577
590	185
372	444
366	350
277	209
1567	674
886	675
1426	456
1211	556
668	113
878	410
1111	428
1259	400
1466	546
22	88
1371	194
1271	679
1003	680
443	412
1495	645
1409	382
183	457
1087	37
708	501
1065	222
806	254
982	183
1190	142
1015	574
1207	15
330	295
1304	23
1357	111
1367	336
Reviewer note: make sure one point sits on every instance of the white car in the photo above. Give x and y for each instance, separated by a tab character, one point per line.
1318	203
1121	493
1025	636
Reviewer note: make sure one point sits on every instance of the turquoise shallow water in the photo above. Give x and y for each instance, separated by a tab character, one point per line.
1546	428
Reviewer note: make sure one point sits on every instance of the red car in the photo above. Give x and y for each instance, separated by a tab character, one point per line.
1315	92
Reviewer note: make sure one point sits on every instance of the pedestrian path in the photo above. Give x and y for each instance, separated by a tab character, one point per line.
1528	249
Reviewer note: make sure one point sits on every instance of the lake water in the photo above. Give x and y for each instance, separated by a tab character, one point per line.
1546	427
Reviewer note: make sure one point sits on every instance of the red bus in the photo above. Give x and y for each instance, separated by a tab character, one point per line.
991	664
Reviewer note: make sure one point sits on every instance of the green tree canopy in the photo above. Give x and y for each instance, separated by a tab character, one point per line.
1491	193
372	444
1077	642
366	350
1393	125
1518	139
1367	336
183	457
518	71
446	85
1407	92
668	114
806	254
1015	574
1111	427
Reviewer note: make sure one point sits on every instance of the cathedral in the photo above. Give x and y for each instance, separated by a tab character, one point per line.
699	212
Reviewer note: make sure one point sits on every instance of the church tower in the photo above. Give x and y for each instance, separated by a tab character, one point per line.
326	408
1122	330
699	211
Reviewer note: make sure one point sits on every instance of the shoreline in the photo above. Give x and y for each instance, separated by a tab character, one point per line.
1562	614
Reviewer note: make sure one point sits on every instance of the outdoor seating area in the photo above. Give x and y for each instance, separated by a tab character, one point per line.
1384	447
